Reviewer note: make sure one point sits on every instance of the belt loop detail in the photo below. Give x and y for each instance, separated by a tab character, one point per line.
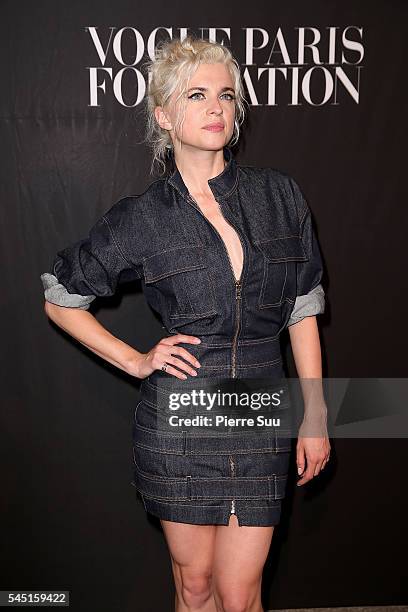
184	442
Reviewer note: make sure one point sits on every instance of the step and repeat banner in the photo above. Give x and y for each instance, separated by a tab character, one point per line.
325	88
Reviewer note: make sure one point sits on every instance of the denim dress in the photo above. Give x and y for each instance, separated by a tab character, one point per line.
162	238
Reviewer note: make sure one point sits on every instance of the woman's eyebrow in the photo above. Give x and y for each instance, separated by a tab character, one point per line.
206	89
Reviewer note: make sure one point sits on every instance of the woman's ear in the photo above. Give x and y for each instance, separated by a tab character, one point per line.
162	118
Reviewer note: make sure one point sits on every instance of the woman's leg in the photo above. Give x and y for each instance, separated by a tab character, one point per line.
217	568
191	550
239	558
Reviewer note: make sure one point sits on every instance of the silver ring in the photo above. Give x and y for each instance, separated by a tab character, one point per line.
164	367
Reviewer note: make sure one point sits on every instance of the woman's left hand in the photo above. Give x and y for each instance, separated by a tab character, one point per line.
313	453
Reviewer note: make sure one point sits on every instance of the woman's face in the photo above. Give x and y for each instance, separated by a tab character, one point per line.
209	100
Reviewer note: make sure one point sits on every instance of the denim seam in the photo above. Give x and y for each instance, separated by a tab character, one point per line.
173	272
190	505
198	497
180	453
276	238
178	435
184	315
183	480
273	504
254	365
266	276
233	188
302	213
244	342
115	242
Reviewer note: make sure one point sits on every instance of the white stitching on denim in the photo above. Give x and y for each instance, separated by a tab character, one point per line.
137	406
258	341
165	451
117	245
303	215
303	258
255	365
274	505
266	276
188	505
153	279
226	195
193	315
197	497
182	480
277	238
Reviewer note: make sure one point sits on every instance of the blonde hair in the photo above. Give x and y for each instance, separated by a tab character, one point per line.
174	64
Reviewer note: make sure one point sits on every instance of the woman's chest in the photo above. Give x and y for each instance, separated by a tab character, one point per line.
232	243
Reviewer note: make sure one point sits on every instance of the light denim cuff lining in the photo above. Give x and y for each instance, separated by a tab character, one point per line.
56	293
312	303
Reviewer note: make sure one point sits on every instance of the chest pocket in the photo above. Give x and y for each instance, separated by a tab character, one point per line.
181	277
281	257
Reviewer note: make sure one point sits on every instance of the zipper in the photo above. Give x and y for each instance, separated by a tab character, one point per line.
238	288
232	466
237	282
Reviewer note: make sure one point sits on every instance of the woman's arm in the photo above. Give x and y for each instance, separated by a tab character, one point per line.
85	328
313	443
305	341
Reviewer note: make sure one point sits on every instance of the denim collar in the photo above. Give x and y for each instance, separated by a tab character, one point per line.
221	185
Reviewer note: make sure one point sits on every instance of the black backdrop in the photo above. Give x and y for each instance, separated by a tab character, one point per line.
70	519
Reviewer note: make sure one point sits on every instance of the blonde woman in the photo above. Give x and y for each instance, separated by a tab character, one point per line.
228	258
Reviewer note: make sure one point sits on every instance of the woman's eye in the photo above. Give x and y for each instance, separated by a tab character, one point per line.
199	93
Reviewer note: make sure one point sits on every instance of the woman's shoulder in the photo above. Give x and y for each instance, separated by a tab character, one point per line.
269	174
133	204
275	181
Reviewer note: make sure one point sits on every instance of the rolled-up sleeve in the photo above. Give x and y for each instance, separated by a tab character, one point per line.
310	295
92	267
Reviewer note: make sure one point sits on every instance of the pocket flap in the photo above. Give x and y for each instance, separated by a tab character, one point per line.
287	248
173	261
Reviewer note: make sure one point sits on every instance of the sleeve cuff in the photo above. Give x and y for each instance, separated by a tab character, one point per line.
56	293
308	305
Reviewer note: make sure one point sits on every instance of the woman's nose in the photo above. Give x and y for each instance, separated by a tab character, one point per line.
215	106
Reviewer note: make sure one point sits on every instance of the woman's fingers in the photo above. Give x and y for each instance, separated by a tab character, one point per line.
300	459
169	351
179	350
318	467
316	460
179	363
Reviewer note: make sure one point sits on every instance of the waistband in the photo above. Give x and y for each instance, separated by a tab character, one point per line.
152	429
157	395
254	358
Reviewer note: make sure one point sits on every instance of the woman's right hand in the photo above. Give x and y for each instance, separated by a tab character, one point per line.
166	351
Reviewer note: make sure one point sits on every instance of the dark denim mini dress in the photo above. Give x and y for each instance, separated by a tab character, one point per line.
189	474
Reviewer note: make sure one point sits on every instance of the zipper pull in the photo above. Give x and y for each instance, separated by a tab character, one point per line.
238	287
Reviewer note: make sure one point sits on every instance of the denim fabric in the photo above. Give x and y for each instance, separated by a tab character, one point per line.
203	479
162	238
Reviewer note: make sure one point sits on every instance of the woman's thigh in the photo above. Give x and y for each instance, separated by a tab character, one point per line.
191	547
239	557
229	553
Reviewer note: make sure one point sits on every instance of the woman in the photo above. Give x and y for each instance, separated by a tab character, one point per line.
228	258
